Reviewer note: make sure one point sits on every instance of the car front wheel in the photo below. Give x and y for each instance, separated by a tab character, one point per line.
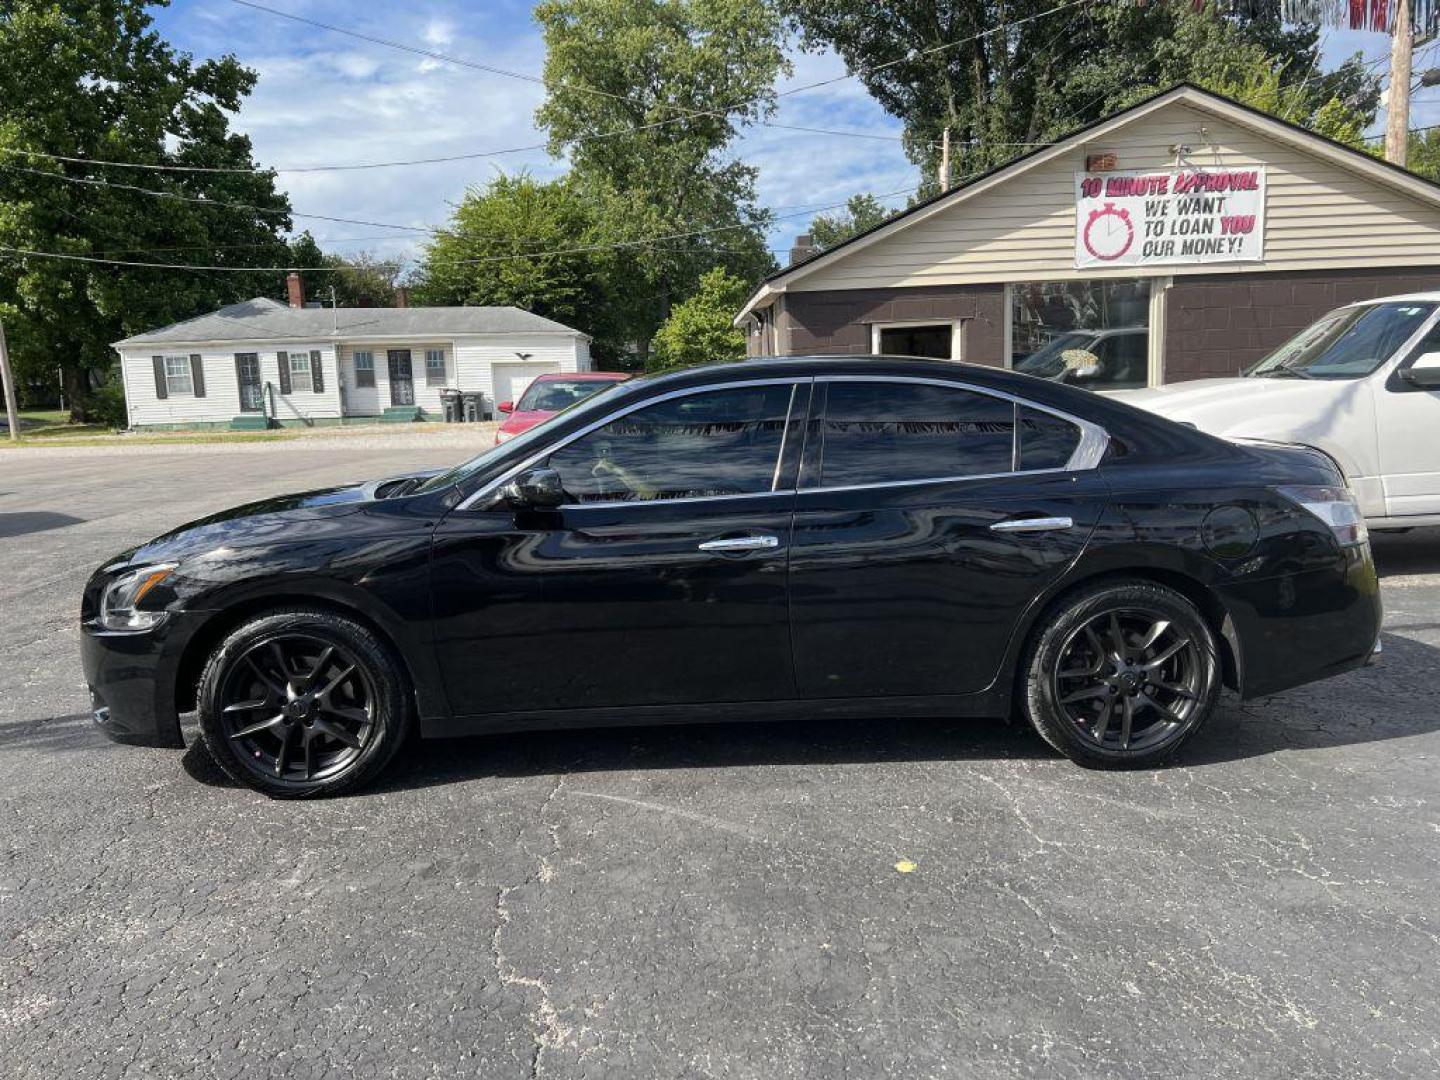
1121	675
298	703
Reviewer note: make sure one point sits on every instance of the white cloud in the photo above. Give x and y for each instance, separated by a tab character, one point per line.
324	99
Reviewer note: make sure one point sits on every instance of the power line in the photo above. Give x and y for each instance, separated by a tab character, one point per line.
620	132
218	203
618	245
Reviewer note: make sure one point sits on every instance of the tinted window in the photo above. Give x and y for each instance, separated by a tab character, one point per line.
1046	442
883	432
724	442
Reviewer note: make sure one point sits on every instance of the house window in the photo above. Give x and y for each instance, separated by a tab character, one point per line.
434	367
941	341
300	372
177	376
365	369
1094	334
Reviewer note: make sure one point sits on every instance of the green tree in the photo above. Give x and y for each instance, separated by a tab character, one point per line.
522	242
90	79
701	329
937	64
861	212
644	97
1423	156
359	280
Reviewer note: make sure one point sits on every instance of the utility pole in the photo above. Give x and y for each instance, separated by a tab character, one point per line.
12	413
1397	102
945	159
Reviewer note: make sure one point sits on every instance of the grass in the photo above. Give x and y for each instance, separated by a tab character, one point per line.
52	428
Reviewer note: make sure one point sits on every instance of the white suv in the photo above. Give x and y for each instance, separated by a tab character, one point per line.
1361	384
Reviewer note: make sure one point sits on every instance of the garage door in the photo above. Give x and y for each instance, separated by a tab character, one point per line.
512	379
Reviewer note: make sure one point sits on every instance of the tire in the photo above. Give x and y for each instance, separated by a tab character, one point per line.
299	703
1166	676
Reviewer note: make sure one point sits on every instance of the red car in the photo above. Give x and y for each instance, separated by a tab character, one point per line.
547	395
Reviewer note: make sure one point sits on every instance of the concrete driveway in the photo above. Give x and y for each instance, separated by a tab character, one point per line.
705	902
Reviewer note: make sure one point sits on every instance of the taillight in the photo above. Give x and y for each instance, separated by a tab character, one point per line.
1336	507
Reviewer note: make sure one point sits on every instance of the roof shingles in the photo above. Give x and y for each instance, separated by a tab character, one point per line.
262	319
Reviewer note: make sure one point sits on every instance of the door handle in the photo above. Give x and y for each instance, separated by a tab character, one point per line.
727	544
1035	524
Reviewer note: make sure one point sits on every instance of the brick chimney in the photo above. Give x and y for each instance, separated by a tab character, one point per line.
402	296
295	288
803	249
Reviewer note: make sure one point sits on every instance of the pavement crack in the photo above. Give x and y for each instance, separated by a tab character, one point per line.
550	1031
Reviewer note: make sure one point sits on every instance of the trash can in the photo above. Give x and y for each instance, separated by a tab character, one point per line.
473	408
450	404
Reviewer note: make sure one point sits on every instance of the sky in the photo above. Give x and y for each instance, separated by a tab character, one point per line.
327	99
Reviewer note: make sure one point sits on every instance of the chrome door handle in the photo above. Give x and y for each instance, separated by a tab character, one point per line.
1035	524
741	543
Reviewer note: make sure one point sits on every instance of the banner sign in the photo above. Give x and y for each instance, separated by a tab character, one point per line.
1169	217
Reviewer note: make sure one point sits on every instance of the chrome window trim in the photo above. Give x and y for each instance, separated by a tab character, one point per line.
1094	439
932	480
610	418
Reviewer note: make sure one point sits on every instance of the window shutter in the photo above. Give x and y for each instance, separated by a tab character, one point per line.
197	374
284	359
161	391
317	381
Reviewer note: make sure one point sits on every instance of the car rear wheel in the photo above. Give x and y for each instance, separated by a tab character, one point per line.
298	703
1121	675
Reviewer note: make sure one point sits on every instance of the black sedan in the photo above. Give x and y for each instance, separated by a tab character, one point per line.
774	538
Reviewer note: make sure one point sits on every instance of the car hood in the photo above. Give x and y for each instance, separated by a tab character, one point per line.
264	520
523	421
1240	406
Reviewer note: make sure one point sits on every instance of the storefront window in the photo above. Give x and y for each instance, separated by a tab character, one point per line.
1093	334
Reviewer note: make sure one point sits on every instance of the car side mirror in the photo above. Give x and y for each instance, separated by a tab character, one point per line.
506	406
1424	373
535	489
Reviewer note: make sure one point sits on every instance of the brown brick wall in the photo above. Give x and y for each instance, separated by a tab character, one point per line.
839	321
1220	325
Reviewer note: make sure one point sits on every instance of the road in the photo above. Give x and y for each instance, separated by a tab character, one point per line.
719	901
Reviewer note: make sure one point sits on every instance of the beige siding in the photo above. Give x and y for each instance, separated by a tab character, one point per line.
1319	216
222	391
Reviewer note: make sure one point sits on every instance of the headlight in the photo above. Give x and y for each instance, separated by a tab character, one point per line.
1336	507
502	436
120	602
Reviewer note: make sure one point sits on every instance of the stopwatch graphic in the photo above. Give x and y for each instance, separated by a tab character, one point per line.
1108	233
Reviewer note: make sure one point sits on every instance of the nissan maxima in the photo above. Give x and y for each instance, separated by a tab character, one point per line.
823	537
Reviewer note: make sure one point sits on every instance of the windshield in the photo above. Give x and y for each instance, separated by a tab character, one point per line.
594	402
552	395
1346	344
1046	361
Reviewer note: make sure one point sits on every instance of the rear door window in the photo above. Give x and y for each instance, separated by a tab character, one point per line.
883	432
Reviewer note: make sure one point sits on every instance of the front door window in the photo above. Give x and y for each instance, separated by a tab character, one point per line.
725	442
402	380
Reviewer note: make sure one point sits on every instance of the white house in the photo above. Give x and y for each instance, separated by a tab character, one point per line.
261	362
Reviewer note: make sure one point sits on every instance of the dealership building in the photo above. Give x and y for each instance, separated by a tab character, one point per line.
1182	238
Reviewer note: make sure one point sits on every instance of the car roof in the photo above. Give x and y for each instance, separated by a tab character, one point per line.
1118	418
583	376
1427	297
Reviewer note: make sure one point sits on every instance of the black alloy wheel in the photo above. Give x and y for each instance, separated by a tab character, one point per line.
1128	679
300	703
1121	674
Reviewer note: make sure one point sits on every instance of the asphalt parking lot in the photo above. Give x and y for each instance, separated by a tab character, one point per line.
718	901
